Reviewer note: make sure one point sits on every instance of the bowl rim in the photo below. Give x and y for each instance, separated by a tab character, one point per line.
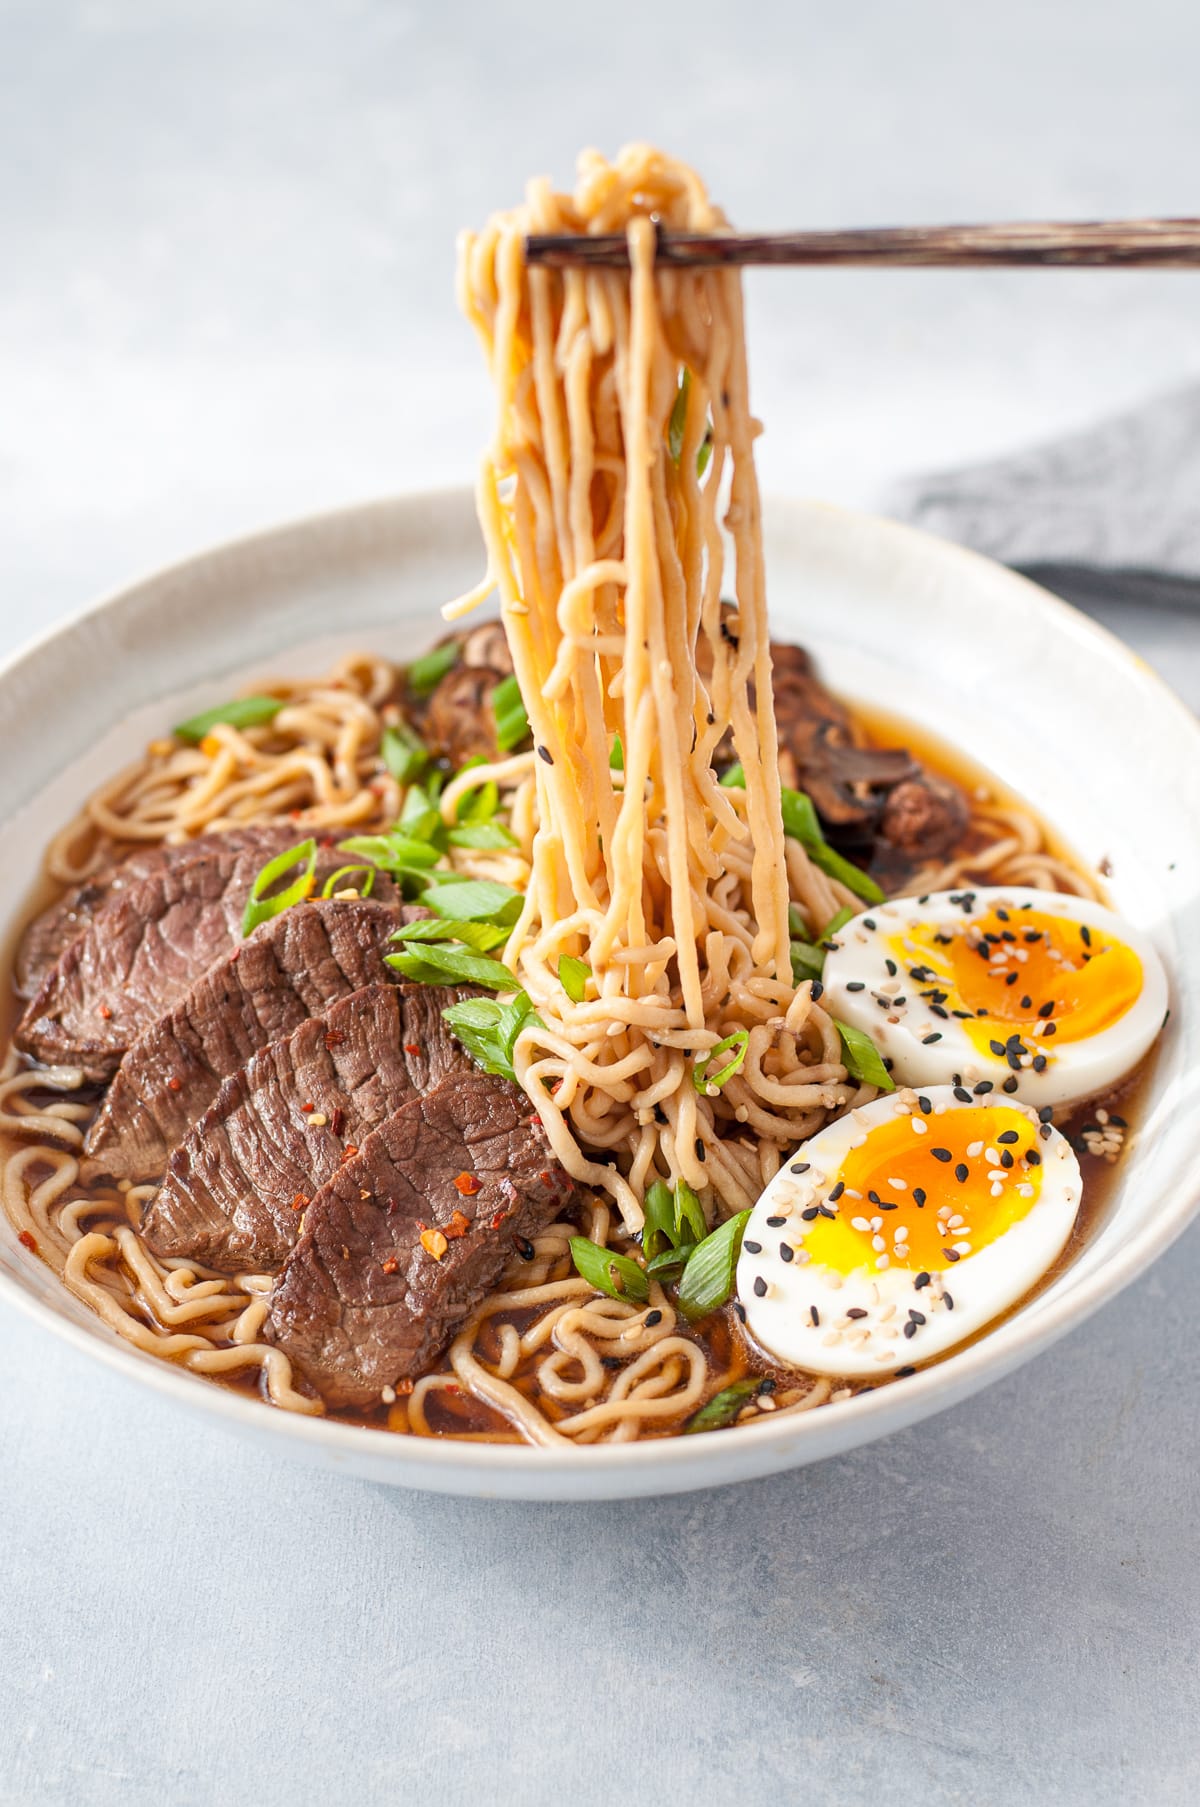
767	1444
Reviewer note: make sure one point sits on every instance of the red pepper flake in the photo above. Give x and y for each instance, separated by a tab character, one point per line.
468	1185
295	814
498	1219
334	1038
349	1152
174	1085
412	1047
105	1012
404	1386
545	1178
459	1224
434	1243
337	1122
301	1201
28	1241
391	1265
308	1107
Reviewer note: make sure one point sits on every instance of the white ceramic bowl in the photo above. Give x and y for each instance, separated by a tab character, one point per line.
1054	706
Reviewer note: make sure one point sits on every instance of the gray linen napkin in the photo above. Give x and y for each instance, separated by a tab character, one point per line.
1109	513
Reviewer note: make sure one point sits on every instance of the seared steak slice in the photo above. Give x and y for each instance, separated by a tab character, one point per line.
280	1127
362	1301
51	933
291	968
143	949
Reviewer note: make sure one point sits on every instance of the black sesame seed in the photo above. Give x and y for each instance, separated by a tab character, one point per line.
1006	1157
921	1280
752	1248
827	1210
868	922
1117	1122
1010	1084
1032	1158
914	1316
874	1197
767	1384
653	1318
856	985
1050	1029
786	1252
1046	1114
910	1328
546	754
700	1153
660	1115
927	1041
925	1104
950	1254
1046	1009
856	1311
837	1192
938	1011
903	1373
809	1213
1044	1132
983	1088
814	1317
1008	1135
1085	934
739	1311
996	1047
892	968
1012	978
962	1094
962	1173
947	1301
941	1154
760	1287
800	1167
776	1223
818	991
918	1196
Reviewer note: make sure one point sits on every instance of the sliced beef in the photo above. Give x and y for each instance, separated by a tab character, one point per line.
50	933
362	1302
291	968
456	720
147	943
280	1127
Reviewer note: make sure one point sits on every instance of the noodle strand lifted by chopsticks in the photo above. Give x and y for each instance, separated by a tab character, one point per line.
623	447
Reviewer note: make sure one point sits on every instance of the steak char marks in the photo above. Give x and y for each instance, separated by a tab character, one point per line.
148	941
280	1128
293	967
362	1300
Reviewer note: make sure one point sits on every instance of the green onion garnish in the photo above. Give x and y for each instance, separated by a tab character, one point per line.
481	937
402	753
508	708
734	779
364	890
723	1407
800	821
573	976
609	1273
476	900
678	420
690	1222
434	964
708	1277
616	759
658	1220
260	908
844	915
706	1074
862	1058
427	672
488	1030
482	835
808	962
243	712
392	852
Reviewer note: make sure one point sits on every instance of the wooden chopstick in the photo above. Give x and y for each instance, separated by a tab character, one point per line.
1123	244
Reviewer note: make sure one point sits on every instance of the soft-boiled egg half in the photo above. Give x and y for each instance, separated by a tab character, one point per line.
903	1228
1033	993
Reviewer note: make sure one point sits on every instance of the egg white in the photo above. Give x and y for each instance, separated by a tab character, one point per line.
927	1049
797	1312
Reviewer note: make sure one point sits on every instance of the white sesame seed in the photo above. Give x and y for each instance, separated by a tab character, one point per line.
918	1126
883	1261
861	1224
973	1149
962	1248
878	1244
388	1395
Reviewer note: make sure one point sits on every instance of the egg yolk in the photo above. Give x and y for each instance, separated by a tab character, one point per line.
925	1191
1038	976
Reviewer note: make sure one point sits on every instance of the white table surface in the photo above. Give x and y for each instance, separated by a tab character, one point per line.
225	298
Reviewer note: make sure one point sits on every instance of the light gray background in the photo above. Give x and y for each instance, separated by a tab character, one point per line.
225	297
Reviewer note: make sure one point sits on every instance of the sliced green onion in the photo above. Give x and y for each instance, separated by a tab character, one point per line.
704	455
402	753
243	712
703	1073
734	779
435	963
260	908
483	805
426	673
669	1261
476	900
573	976
723	1407
808	962
484	836
801	822
609	1273
844	915
708	1277
364	890
678	421
862	1058
658	1220
690	1222
392	852
616	759
508	708
481	937
488	1030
